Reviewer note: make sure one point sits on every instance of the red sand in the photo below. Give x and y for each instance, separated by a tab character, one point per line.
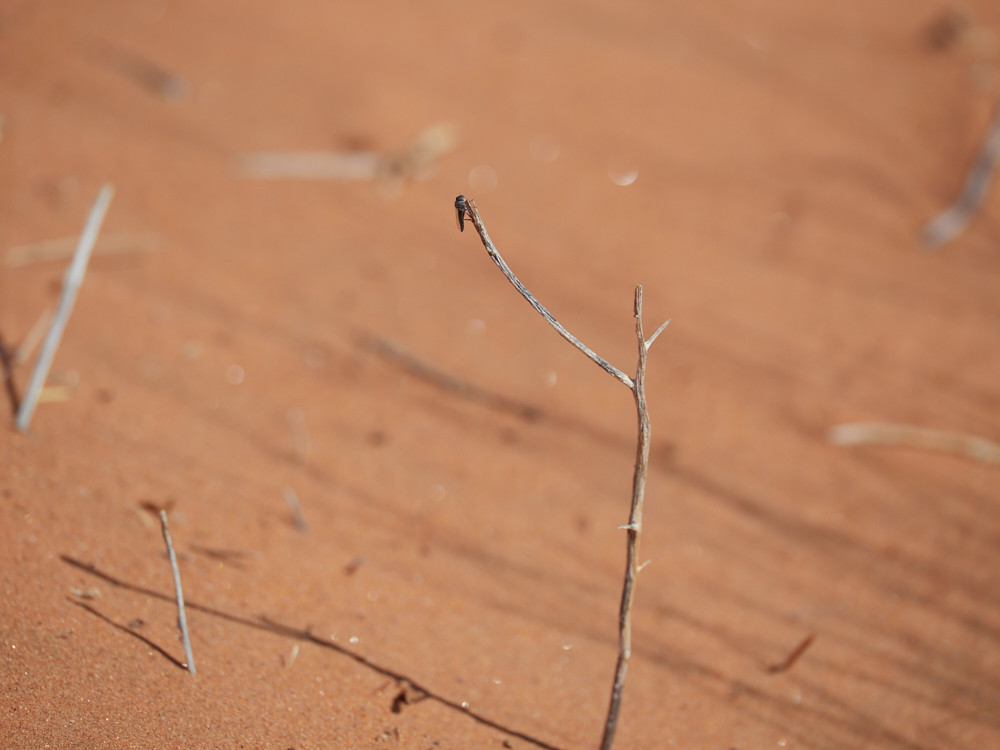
786	157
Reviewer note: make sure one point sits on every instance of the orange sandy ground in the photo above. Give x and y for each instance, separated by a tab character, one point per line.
786	156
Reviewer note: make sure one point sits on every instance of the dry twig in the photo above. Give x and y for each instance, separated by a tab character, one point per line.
881	433
949	223
467	209
71	284
161	511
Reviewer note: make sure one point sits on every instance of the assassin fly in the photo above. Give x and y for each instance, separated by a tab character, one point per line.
462	207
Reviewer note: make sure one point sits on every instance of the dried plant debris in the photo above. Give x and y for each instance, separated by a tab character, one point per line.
953	220
408	695
414	161
909	436
62	248
67	298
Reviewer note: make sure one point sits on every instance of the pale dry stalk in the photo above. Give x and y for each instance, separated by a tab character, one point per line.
71	284
175	569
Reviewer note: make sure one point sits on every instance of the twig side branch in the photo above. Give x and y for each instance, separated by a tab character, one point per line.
473	213
181	617
71	284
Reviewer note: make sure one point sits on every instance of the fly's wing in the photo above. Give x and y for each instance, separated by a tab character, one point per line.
460	218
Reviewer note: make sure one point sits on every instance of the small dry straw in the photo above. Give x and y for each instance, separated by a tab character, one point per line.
909	436
181	617
71	284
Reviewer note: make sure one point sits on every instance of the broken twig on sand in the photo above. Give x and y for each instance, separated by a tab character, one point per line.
881	433
949	223
181	617
71	284
467	208
161	511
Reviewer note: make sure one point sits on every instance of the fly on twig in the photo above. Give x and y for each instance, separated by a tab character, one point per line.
463	207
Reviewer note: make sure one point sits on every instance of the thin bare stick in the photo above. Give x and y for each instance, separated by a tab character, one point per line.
71	284
181	617
634	526
949	223
881	433
470	210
